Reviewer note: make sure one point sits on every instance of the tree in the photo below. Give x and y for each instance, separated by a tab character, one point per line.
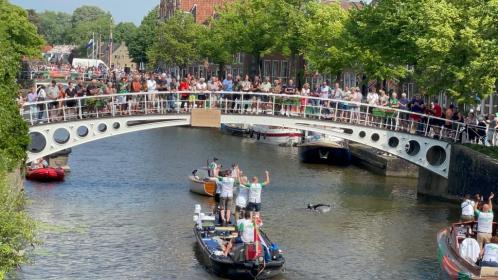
18	38
323	38
89	20
124	32
176	41
142	41
54	26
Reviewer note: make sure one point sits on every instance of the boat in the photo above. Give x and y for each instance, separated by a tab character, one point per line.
326	150
453	265
235	129
46	174
276	135
200	182
243	262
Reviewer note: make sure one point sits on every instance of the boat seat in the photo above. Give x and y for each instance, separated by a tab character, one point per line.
487	271
232	228
212	244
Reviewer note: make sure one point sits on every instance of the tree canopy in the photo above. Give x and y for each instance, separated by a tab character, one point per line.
144	36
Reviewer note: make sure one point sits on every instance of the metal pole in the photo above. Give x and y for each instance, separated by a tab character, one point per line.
335	112
79	109
273	105
226	105
46	112
242	105
113	107
397	121
427	126
145	103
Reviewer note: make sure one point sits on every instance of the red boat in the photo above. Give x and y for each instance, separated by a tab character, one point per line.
48	174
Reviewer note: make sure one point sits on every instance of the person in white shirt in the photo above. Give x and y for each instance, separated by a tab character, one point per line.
242	198
467	209
490	253
484	221
226	197
373	100
469	250
255	188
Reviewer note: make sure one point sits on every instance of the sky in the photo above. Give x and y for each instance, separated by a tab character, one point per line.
122	10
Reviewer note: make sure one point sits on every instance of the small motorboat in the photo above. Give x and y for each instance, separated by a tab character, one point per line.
276	135
453	264
261	260
200	182
235	129
46	174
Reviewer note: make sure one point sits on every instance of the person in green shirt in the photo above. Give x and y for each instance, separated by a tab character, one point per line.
484	221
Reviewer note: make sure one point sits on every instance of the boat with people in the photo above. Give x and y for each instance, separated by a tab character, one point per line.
325	149
259	260
454	265
200	182
45	174
276	135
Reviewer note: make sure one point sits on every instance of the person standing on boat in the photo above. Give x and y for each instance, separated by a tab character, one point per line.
226	196
242	197
255	188
213	168
484	221
467	209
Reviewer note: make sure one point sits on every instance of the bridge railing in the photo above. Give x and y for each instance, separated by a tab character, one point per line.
252	103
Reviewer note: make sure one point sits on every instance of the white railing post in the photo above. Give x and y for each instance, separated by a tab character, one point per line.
80	113
320	111
145	103
273	105
367	114
113	107
226	105
177	102
46	112
397	121
63	111
427	125
305	105
31	110
257	105
335	112
242	103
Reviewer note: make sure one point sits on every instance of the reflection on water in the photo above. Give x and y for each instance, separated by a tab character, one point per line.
124	212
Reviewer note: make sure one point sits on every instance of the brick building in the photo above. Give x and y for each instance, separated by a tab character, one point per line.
202	10
274	66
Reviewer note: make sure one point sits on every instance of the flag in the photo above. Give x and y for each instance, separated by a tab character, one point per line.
90	44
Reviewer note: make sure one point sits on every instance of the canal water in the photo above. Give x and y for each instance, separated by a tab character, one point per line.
125	212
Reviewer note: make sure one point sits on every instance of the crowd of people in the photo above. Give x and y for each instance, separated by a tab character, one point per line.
376	108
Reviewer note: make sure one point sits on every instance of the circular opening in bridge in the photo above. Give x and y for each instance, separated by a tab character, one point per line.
363	134
116	125
393	142
38	142
82	131
436	155
412	148
375	137
102	127
61	136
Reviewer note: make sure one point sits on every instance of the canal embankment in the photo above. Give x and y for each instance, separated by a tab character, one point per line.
470	172
382	163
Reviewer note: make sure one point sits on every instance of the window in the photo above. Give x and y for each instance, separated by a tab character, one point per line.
274	70
349	79
284	69
409	89
267	68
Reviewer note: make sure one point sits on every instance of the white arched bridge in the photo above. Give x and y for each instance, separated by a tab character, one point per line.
421	139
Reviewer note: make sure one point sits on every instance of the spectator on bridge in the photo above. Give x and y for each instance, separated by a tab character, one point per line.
471	123
41	96
70	94
201	87
184	87
417	107
372	100
491	131
305	92
391	114
265	87
288	102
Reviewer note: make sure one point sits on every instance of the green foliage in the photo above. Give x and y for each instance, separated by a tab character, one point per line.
176	41
124	32
489	151
16	228
89	20
144	37
54	26
18	38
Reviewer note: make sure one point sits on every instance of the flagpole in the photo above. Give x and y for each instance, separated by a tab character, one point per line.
110	44
93	45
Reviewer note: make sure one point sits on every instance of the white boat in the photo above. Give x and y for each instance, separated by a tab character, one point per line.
276	135
200	182
325	149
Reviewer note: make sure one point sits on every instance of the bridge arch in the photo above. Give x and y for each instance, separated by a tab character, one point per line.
425	152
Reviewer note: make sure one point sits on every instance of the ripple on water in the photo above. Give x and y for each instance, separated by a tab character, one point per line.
125	212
